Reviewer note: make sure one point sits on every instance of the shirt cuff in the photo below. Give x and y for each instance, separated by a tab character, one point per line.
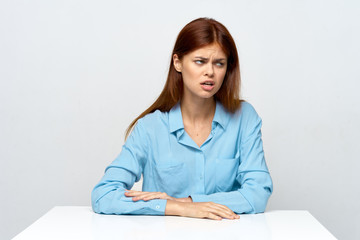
158	205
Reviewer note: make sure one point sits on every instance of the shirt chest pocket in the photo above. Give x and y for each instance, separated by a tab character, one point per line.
225	175
171	178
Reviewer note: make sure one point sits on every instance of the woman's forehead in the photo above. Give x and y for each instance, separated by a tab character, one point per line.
209	50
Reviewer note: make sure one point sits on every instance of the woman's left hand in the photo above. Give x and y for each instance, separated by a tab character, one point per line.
146	196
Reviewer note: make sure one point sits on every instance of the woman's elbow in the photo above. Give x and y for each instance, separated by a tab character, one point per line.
261	199
95	202
100	199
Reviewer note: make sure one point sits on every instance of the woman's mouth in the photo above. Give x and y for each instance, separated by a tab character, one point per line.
207	85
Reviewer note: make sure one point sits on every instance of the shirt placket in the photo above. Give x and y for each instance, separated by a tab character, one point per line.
200	172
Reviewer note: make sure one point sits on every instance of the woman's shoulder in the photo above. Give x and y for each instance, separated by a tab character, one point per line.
244	115
248	114
153	119
246	110
244	118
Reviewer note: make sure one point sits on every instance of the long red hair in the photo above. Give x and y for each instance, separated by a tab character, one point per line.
197	34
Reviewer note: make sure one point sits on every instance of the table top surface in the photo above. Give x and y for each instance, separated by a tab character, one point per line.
71	222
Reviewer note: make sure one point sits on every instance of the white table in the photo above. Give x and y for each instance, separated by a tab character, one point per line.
82	223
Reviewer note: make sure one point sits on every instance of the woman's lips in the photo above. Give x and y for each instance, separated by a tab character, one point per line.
207	85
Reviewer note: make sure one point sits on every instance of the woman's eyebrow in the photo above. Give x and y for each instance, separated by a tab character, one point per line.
216	59
202	58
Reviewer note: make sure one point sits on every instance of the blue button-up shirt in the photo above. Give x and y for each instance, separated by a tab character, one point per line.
228	168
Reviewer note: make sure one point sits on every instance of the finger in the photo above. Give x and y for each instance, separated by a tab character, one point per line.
226	210
134	193
223	212
213	216
147	196
155	195
220	207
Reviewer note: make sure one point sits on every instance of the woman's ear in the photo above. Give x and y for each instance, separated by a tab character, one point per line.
177	63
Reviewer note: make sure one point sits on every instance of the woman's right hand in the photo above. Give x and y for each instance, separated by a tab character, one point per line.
199	210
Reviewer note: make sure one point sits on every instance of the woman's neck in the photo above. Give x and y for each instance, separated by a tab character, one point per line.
200	110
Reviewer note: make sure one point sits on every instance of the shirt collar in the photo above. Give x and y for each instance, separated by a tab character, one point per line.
175	118
221	115
176	123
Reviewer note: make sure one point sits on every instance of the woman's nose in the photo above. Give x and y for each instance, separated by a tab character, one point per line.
209	71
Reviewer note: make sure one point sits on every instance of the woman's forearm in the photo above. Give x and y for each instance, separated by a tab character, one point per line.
199	210
184	207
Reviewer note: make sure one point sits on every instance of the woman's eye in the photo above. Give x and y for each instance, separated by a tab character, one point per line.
199	62
220	64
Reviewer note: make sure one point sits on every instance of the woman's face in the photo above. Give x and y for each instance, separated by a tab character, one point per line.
203	71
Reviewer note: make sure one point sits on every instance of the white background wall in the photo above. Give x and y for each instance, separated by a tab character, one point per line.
74	74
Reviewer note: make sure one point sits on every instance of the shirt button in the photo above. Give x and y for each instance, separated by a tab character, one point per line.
201	177
157	207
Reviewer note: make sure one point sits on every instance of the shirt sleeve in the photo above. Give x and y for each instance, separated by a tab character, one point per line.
108	195
253	178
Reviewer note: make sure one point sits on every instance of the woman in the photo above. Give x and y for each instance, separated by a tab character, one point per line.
198	146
